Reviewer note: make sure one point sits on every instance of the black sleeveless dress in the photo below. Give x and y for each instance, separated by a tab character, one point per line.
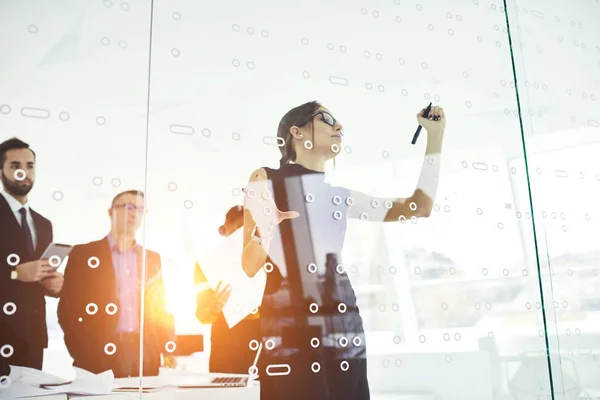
313	335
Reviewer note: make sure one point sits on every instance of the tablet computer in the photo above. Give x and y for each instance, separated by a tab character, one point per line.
55	253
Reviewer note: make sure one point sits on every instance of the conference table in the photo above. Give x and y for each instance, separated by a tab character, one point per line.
168	386
249	393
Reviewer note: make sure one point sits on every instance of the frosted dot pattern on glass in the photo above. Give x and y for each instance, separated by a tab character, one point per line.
504	269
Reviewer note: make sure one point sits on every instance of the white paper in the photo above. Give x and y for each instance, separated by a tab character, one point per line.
33	377
25	382
18	390
224	263
87	383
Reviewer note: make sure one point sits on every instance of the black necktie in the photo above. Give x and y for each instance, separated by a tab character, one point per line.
28	237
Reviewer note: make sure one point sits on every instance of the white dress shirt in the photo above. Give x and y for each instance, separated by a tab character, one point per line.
15	206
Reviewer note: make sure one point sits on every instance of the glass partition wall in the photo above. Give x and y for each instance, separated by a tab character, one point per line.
148	119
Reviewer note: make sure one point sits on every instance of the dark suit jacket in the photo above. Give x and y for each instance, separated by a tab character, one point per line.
25	330
87	335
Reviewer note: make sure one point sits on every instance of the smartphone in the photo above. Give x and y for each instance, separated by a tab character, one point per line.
56	253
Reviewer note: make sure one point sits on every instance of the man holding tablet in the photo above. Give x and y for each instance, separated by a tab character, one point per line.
24	278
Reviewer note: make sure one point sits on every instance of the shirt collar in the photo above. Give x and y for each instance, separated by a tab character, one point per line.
14	204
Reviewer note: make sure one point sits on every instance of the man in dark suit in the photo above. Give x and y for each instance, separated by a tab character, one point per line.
24	278
100	304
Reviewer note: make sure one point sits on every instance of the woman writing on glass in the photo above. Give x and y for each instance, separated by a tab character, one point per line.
313	336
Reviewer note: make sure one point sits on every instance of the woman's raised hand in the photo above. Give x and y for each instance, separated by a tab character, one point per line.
436	121
259	200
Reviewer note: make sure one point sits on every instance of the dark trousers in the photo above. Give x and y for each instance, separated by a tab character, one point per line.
34	358
230	351
329	383
26	350
126	360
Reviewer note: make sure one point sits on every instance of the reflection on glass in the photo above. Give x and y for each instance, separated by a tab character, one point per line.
493	296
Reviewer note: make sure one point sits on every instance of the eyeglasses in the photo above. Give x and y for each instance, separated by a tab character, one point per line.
326	117
131	207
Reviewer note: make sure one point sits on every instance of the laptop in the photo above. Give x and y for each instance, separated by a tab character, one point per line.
156	383
188	380
225	380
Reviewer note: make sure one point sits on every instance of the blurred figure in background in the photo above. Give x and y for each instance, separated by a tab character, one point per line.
230	351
